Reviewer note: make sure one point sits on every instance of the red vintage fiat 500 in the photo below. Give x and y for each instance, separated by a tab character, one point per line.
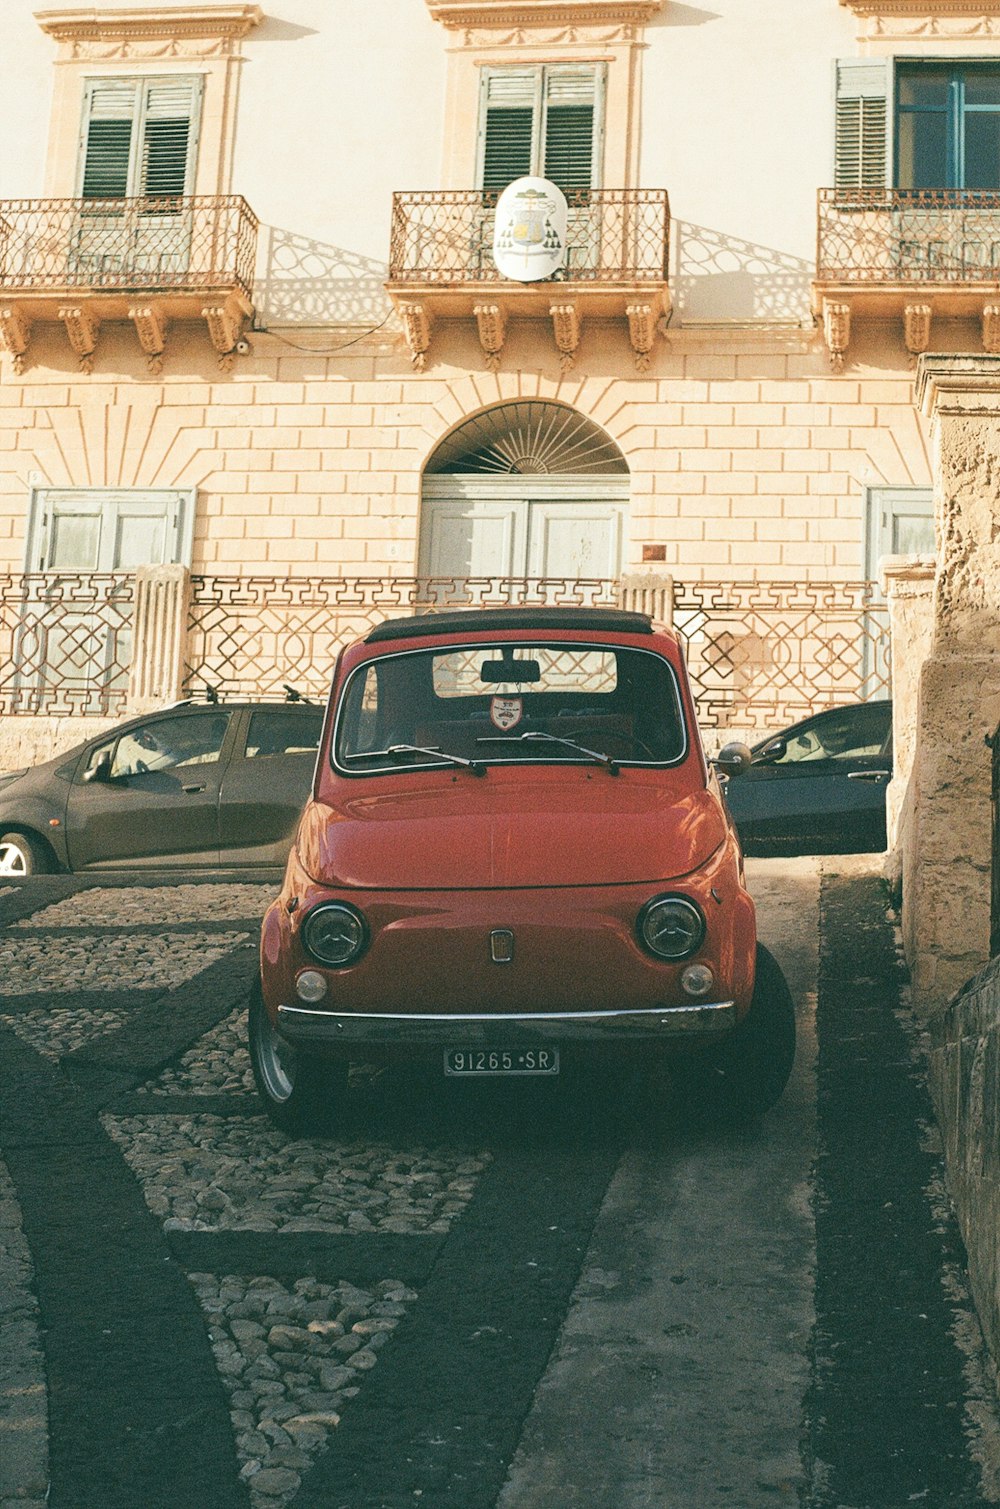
515	856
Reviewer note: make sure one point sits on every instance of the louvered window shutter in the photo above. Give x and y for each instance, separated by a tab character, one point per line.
544	120
110	110
862	139
139	137
572	119
166	153
508	125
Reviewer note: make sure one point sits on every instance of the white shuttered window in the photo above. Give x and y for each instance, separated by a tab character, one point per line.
544	120
139	137
862	136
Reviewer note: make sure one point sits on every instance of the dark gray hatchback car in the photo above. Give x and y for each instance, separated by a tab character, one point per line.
819	786
193	787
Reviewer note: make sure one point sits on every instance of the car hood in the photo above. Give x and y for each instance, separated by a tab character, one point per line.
601	830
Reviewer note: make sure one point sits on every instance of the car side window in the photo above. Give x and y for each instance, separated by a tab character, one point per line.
802	746
276	730
170	742
851	734
858	732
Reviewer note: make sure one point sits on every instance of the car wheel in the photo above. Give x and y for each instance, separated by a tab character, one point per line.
746	1074
21	854
300	1095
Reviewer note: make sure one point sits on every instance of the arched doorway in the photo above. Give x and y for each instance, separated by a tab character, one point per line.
529	489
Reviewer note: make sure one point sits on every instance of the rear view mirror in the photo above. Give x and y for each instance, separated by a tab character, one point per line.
732	759
520	672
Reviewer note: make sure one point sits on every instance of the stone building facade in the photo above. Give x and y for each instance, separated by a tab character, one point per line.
251	324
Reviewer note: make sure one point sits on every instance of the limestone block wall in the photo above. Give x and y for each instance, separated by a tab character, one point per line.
29	740
965	1082
908	582
748	458
947	864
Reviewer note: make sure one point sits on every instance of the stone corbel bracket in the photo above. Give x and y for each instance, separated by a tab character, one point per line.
417	330
491	321
225	326
991	328
836	331
642	322
917	328
82	327
15	333
566	324
151	328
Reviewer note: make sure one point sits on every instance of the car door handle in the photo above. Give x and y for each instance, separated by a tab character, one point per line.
192	790
868	775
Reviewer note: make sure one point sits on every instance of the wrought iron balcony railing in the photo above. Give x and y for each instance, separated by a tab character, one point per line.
150	261
908	236
126	245
446	237
441	263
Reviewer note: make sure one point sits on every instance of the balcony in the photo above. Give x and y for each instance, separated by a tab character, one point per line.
441	267
908	254
153	262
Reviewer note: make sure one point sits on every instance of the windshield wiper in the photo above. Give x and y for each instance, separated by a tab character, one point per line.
592	754
476	767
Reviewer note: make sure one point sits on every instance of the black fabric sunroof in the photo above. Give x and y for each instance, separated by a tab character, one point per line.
480	620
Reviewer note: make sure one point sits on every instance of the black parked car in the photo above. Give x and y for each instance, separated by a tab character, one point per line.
818	787
191	787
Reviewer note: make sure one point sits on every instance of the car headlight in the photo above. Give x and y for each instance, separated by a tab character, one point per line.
671	927
334	934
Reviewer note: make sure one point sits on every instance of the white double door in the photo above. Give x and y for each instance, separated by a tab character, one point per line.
553	527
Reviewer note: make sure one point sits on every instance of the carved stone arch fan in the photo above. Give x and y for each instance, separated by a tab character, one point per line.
533	438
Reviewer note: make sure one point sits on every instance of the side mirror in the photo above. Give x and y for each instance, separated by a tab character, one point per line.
100	770
732	759
774	749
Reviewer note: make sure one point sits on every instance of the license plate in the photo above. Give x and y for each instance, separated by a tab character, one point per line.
466	1061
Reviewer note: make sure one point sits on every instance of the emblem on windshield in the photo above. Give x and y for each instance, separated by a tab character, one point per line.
502	945
506	712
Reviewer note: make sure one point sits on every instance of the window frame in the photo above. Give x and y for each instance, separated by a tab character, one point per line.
540	107
167	42
143	86
861	79
178	506
955	111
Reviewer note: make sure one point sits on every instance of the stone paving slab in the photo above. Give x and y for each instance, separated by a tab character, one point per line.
234	1317
289	1350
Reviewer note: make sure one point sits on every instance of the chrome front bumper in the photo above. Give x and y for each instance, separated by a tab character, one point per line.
503	1030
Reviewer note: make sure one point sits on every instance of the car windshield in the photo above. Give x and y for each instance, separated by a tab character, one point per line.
503	703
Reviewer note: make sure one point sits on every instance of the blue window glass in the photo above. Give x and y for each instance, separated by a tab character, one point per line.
948	126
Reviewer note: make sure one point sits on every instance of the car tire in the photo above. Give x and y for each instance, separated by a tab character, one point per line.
745	1075
22	854
300	1095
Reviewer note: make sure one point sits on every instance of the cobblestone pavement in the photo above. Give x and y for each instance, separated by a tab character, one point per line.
198	1311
